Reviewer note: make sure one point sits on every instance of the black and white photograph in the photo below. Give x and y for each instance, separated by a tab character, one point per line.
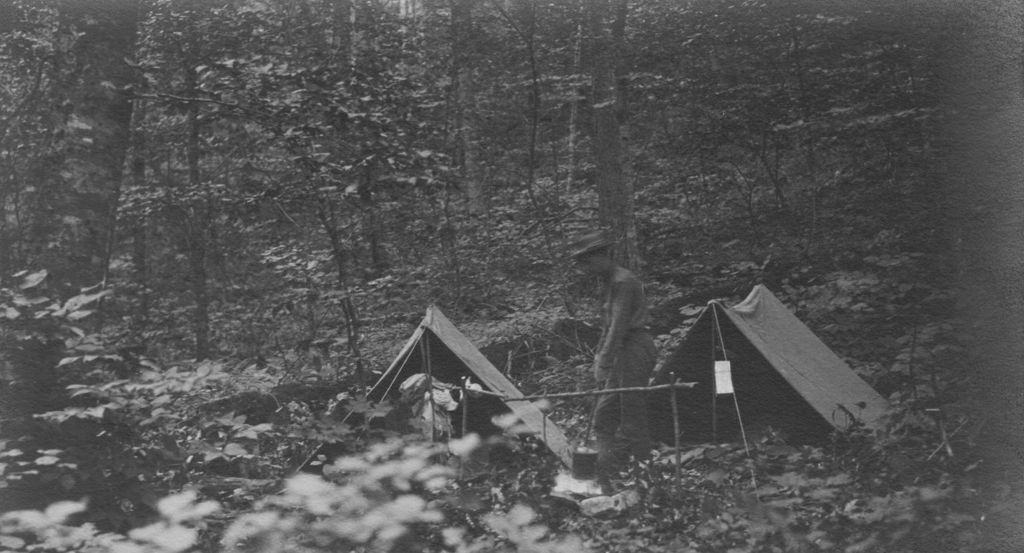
511	276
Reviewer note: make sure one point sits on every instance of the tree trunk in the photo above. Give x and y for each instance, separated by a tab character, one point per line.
465	107
326	212
200	295
140	244
97	130
574	109
372	227
614	188
343	14
529	40
796	53
140	264
198	221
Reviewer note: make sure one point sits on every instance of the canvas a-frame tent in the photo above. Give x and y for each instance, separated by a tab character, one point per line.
783	376
439	349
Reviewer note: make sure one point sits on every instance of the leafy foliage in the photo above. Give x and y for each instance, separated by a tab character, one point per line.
386	499
180	516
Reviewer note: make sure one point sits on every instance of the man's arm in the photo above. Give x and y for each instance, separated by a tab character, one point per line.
624	298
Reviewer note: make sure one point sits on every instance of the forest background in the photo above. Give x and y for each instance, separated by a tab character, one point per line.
221	218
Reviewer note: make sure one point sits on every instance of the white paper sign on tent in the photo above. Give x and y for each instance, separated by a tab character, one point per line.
723	377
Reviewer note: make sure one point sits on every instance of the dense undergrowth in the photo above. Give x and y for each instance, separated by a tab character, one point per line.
202	455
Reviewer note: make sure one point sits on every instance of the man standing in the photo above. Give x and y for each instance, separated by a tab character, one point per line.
625	357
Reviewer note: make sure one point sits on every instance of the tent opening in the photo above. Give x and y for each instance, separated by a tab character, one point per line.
431	356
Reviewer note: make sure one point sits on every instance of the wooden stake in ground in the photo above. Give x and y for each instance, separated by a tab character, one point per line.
675	435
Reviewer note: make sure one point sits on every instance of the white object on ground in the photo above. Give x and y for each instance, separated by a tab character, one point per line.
604	505
566	484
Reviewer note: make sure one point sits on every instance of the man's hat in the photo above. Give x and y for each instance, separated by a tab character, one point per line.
589	243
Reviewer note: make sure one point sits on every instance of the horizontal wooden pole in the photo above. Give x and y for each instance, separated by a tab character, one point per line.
560	395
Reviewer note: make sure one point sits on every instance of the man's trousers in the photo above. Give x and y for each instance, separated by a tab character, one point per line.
620	420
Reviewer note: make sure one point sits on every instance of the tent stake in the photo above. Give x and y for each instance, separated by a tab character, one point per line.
743	433
465	409
465	424
675	434
544	429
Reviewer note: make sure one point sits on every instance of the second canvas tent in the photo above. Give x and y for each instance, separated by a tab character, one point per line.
783	376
